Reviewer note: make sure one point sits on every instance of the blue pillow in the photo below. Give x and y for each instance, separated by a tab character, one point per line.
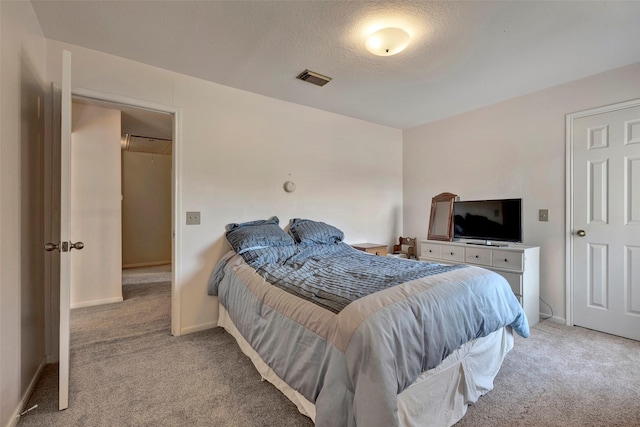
308	232
258	234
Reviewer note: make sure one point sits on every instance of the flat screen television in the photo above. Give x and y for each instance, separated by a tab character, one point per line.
488	220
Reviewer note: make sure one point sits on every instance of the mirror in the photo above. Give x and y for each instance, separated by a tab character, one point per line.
441	219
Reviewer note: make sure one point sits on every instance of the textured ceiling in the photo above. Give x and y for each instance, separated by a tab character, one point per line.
462	55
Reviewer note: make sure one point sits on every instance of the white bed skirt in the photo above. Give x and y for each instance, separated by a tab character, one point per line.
439	397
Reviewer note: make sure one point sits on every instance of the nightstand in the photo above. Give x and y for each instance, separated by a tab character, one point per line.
371	248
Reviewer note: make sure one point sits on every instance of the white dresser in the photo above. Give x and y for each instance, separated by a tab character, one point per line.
519	264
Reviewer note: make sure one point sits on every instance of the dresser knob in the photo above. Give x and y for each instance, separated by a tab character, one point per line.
477	256
506	260
451	253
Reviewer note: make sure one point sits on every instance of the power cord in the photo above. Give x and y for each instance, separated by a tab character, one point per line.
550	308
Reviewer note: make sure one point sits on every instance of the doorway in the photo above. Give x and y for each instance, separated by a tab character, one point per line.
120	201
142	117
603	219
147	148
57	159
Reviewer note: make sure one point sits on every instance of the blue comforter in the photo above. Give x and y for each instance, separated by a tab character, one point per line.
333	276
352	351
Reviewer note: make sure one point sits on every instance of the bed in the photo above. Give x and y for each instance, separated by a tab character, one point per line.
355	339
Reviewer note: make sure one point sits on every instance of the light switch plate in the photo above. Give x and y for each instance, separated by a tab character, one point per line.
543	215
193	218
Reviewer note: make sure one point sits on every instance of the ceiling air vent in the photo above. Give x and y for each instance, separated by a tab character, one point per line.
315	78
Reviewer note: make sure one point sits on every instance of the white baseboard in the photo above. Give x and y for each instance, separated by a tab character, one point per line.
554	319
15	417
198	328
96	302
146	264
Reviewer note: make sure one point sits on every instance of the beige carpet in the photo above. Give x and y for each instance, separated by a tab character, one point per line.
564	376
126	370
152	274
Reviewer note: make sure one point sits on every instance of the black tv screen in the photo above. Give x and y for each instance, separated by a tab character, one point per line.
488	220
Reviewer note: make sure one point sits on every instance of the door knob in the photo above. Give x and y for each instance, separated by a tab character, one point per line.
77	245
66	246
581	233
50	247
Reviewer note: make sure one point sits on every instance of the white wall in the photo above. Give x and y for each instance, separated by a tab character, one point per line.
146	209
96	270
514	148
22	83
236	151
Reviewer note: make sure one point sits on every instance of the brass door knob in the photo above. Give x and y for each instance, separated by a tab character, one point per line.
77	245
581	233
50	247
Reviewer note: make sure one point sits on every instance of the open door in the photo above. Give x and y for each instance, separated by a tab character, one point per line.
65	207
64	245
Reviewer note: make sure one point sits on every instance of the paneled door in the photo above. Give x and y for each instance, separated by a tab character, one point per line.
62	214
604	217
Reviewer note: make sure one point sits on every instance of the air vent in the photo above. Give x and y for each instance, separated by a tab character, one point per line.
315	78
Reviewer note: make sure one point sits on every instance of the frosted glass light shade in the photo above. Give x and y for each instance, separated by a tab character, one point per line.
387	41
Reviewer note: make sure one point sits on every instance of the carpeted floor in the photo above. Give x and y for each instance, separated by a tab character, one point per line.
152	274
126	370
564	376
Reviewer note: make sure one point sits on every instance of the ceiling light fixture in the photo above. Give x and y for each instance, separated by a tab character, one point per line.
387	41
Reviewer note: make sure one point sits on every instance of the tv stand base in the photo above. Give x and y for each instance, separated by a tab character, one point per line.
488	243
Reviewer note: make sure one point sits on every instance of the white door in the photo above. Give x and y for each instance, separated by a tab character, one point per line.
64	245
605	219
65	208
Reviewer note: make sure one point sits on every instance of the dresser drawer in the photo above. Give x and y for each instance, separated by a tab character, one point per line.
477	256
429	250
508	260
515	281
452	253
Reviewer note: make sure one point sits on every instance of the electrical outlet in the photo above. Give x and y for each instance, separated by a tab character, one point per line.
543	215
193	218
